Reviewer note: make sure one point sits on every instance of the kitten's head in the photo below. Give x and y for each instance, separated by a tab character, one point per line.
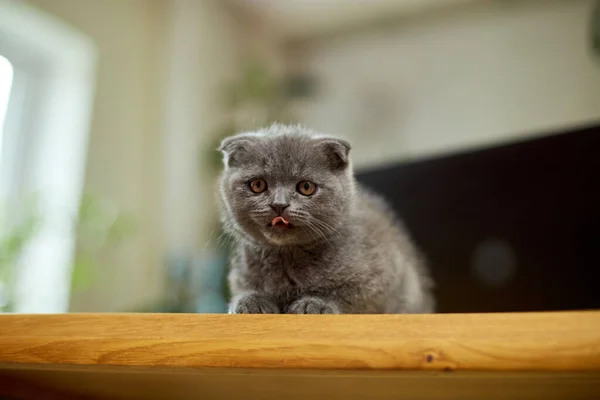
285	185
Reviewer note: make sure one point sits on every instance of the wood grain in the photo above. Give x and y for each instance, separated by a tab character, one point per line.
566	341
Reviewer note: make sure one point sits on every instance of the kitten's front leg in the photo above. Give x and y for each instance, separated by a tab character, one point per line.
253	303
313	305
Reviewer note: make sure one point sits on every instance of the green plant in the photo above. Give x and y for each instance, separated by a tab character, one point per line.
256	98
19	222
100	226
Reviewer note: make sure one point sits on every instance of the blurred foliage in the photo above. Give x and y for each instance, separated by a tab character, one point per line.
258	97
19	232
19	222
99	226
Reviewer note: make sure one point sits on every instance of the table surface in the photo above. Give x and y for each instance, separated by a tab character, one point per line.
556	355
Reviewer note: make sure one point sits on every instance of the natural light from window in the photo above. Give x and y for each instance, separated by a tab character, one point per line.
6	77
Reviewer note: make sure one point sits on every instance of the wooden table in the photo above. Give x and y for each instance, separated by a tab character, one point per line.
181	356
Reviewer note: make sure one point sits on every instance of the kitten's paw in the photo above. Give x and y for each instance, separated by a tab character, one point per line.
313	305
253	303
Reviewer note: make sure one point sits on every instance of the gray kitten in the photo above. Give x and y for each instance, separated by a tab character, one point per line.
309	239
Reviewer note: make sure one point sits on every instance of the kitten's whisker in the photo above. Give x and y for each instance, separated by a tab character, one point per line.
327	227
224	239
319	233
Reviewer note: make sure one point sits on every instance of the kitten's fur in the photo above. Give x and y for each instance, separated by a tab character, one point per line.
346	251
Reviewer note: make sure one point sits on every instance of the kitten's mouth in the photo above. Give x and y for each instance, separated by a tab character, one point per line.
280	221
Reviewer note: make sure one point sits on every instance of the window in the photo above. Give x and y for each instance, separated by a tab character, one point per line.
45	126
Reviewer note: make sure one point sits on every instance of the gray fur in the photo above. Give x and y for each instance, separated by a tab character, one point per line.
346	251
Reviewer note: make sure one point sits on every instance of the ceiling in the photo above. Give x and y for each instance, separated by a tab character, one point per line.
305	18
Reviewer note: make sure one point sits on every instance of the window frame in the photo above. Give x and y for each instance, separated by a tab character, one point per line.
48	116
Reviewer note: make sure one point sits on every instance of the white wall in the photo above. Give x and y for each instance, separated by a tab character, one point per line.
469	77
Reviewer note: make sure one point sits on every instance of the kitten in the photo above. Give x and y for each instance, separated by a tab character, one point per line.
310	240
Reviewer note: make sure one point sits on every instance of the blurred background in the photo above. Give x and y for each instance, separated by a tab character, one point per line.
111	110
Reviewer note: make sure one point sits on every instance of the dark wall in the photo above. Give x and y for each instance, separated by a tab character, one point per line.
510	228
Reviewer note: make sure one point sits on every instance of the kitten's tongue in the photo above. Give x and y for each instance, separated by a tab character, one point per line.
279	220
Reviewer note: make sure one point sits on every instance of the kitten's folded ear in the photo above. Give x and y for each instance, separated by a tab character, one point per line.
234	149
337	152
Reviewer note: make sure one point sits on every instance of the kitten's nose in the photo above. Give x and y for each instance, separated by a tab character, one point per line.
279	207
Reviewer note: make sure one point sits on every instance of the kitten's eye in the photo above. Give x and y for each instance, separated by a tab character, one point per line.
258	185
306	188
